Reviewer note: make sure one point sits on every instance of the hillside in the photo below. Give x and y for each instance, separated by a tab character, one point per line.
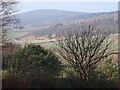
46	15
104	22
45	23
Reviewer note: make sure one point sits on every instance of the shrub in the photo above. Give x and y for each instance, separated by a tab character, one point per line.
32	60
8	49
109	71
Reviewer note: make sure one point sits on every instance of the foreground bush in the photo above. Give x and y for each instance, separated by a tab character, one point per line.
32	60
110	71
8	49
39	81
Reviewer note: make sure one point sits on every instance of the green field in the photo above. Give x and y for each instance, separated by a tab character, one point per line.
16	33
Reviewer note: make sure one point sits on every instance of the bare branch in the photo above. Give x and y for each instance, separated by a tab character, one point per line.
83	49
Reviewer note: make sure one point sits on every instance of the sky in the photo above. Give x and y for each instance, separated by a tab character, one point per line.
70	6
68	0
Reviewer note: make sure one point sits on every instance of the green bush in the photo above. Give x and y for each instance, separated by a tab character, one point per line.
33	59
8	49
110	70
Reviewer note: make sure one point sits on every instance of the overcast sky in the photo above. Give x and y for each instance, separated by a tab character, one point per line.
70	6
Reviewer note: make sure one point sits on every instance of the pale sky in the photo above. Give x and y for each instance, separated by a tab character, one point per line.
70	5
69	0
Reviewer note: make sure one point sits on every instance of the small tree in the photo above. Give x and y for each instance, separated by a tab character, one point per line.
83	50
33	60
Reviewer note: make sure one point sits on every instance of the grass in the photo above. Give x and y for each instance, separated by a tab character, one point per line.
114	45
48	45
16	33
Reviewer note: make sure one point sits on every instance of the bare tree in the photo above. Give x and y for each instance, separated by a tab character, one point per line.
84	49
8	21
8	8
7	17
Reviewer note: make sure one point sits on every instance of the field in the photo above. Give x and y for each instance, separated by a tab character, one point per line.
18	33
23	37
113	38
49	43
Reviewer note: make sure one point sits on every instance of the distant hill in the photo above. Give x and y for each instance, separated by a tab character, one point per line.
49	17
46	15
49	21
102	21
92	15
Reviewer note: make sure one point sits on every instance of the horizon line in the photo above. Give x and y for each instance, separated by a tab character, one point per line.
70	11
